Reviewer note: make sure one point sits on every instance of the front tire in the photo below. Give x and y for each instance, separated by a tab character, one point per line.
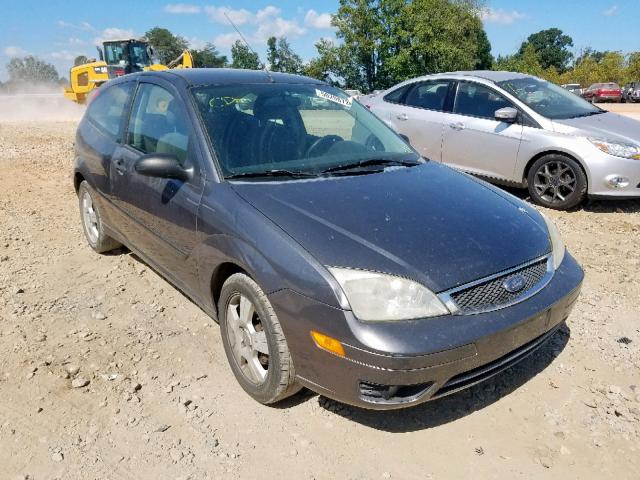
557	182
92	221
253	341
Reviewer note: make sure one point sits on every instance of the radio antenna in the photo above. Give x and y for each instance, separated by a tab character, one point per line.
264	67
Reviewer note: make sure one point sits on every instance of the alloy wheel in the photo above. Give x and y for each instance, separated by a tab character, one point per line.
555	181
247	339
89	217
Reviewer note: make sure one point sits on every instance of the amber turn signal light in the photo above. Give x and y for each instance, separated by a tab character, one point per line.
327	343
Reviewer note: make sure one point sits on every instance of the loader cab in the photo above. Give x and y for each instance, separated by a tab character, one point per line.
126	56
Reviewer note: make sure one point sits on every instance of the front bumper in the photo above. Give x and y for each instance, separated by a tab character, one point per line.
603	167
424	359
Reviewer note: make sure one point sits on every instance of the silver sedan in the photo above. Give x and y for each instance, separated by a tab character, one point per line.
517	130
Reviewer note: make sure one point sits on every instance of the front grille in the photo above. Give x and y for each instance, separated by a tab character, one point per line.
477	375
492	294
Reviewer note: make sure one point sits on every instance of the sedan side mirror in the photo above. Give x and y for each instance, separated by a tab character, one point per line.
162	165
506	114
405	138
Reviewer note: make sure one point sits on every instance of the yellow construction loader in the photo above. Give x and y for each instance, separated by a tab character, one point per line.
117	58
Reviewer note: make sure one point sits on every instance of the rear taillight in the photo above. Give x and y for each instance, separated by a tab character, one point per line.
119	72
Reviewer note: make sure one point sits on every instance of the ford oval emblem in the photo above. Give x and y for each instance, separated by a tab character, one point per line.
514	284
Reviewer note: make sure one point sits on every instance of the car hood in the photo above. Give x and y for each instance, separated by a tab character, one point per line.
608	125
429	223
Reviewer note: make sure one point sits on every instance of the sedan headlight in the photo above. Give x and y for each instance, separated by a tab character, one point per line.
615	148
557	244
379	297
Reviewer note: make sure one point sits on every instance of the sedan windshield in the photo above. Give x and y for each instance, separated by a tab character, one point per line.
274	131
548	99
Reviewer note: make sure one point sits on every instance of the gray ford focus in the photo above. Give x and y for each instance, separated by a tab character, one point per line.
331	254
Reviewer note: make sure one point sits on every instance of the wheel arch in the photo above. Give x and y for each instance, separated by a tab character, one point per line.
220	276
78	178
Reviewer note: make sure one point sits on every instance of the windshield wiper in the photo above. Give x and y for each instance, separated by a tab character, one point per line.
588	114
371	163
272	173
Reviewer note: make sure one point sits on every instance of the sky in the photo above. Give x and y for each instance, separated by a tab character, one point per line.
58	31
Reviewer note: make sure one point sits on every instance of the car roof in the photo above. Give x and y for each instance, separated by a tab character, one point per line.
491	75
227	76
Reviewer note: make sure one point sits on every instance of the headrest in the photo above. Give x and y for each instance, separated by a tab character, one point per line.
267	108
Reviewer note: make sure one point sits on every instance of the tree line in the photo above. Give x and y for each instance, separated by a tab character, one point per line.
383	42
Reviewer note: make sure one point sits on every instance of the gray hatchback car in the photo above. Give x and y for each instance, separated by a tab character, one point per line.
332	255
517	130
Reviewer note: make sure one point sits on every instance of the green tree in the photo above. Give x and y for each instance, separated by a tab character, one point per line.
208	57
526	61
612	68
360	27
551	46
166	45
281	57
484	59
585	72
386	41
31	69
590	53
327	64
80	60
633	67
243	57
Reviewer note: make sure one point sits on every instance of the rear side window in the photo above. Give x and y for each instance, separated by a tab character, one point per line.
397	95
476	100
428	95
158	123
107	109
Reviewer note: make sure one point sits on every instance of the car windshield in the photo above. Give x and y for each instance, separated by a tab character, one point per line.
296	130
548	99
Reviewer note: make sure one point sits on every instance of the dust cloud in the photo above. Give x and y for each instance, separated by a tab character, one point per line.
43	104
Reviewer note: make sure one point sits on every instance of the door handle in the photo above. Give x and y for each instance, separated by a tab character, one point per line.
457	126
120	166
402	116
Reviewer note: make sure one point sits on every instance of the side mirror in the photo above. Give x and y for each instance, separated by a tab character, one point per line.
506	114
405	138
162	165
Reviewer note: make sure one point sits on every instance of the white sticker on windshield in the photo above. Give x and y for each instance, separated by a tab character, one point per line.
334	98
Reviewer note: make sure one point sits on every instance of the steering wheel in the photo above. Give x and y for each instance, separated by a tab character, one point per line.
322	145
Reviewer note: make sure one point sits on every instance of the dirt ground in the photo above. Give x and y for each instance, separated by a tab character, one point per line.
107	372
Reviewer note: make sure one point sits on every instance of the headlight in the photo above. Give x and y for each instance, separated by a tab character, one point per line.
557	244
379	297
617	149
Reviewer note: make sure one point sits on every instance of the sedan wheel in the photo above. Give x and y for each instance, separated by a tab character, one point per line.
89	217
92	221
254	342
557	182
248	339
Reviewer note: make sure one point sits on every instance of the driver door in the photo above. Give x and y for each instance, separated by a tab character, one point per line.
159	214
473	140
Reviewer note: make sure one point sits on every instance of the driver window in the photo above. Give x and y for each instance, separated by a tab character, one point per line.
477	100
158	123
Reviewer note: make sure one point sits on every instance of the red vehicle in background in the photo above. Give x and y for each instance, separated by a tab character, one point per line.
603	92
